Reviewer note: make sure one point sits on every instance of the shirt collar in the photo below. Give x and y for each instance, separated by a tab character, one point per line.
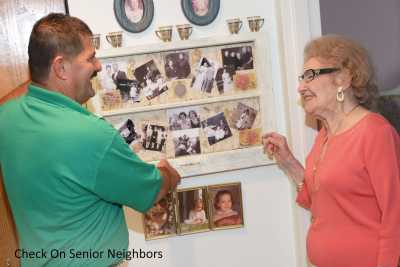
54	98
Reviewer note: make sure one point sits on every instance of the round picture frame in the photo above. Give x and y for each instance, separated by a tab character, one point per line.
190	14
126	23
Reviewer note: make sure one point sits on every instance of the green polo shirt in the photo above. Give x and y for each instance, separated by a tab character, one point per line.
67	174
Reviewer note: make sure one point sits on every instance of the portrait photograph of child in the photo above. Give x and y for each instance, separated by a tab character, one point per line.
160	220
226	206
192	210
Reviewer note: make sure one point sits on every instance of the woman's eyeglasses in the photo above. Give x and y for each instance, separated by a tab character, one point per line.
311	74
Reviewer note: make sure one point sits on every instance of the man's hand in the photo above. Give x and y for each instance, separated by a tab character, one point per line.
170	178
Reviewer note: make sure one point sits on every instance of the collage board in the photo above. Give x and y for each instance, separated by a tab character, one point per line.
180	77
175	76
195	210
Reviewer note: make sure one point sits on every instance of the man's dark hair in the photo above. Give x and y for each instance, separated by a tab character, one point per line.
52	35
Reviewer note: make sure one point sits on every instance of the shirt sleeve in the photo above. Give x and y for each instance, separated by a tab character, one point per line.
382	157
123	178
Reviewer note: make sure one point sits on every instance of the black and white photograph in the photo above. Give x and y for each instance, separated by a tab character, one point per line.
224	80
243	116
186	142
237	58
151	80
177	65
154	137
128	88
204	76
128	132
183	118
216	128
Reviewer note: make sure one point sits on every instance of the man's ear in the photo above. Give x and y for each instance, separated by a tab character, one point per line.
60	67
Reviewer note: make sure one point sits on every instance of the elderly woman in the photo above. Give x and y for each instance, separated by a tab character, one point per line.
351	179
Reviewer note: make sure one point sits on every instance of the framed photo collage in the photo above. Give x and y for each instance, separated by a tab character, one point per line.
194	104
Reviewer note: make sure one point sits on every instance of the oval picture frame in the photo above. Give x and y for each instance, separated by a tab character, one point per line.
213	9
126	23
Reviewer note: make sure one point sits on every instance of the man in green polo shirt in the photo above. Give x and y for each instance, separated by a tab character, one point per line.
67	173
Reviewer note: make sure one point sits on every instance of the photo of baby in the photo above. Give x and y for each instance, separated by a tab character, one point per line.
243	116
226	205
160	220
192	207
216	128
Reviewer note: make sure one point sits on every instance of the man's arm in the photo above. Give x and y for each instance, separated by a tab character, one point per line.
170	178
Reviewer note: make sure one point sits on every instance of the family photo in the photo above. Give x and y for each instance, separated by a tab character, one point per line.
186	142
177	65
183	118
216	128
154	137
150	79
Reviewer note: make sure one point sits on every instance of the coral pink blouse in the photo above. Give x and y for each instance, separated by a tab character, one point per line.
354	197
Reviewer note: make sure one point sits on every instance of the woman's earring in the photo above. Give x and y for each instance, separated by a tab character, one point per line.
340	95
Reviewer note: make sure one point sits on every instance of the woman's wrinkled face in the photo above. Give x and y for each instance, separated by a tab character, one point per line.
318	94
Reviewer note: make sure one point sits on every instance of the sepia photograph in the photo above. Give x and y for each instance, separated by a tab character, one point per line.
154	137
177	65
226	205
204	76
216	128
243	116
186	142
192	210
183	118
150	80
160	220
237	58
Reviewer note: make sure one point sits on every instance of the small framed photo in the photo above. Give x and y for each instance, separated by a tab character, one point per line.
134	15
160	220
193	216
226	208
200	12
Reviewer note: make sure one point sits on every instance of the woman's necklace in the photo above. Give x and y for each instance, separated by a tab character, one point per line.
324	148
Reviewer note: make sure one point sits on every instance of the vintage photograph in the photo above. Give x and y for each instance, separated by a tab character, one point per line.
183	118
151	80
224	80
177	65
237	58
226	205
134	10
204	76
114	77
128	132
154	137
160	220
216	128
243	116
192	210
186	142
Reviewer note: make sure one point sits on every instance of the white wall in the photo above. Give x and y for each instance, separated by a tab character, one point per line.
272	235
